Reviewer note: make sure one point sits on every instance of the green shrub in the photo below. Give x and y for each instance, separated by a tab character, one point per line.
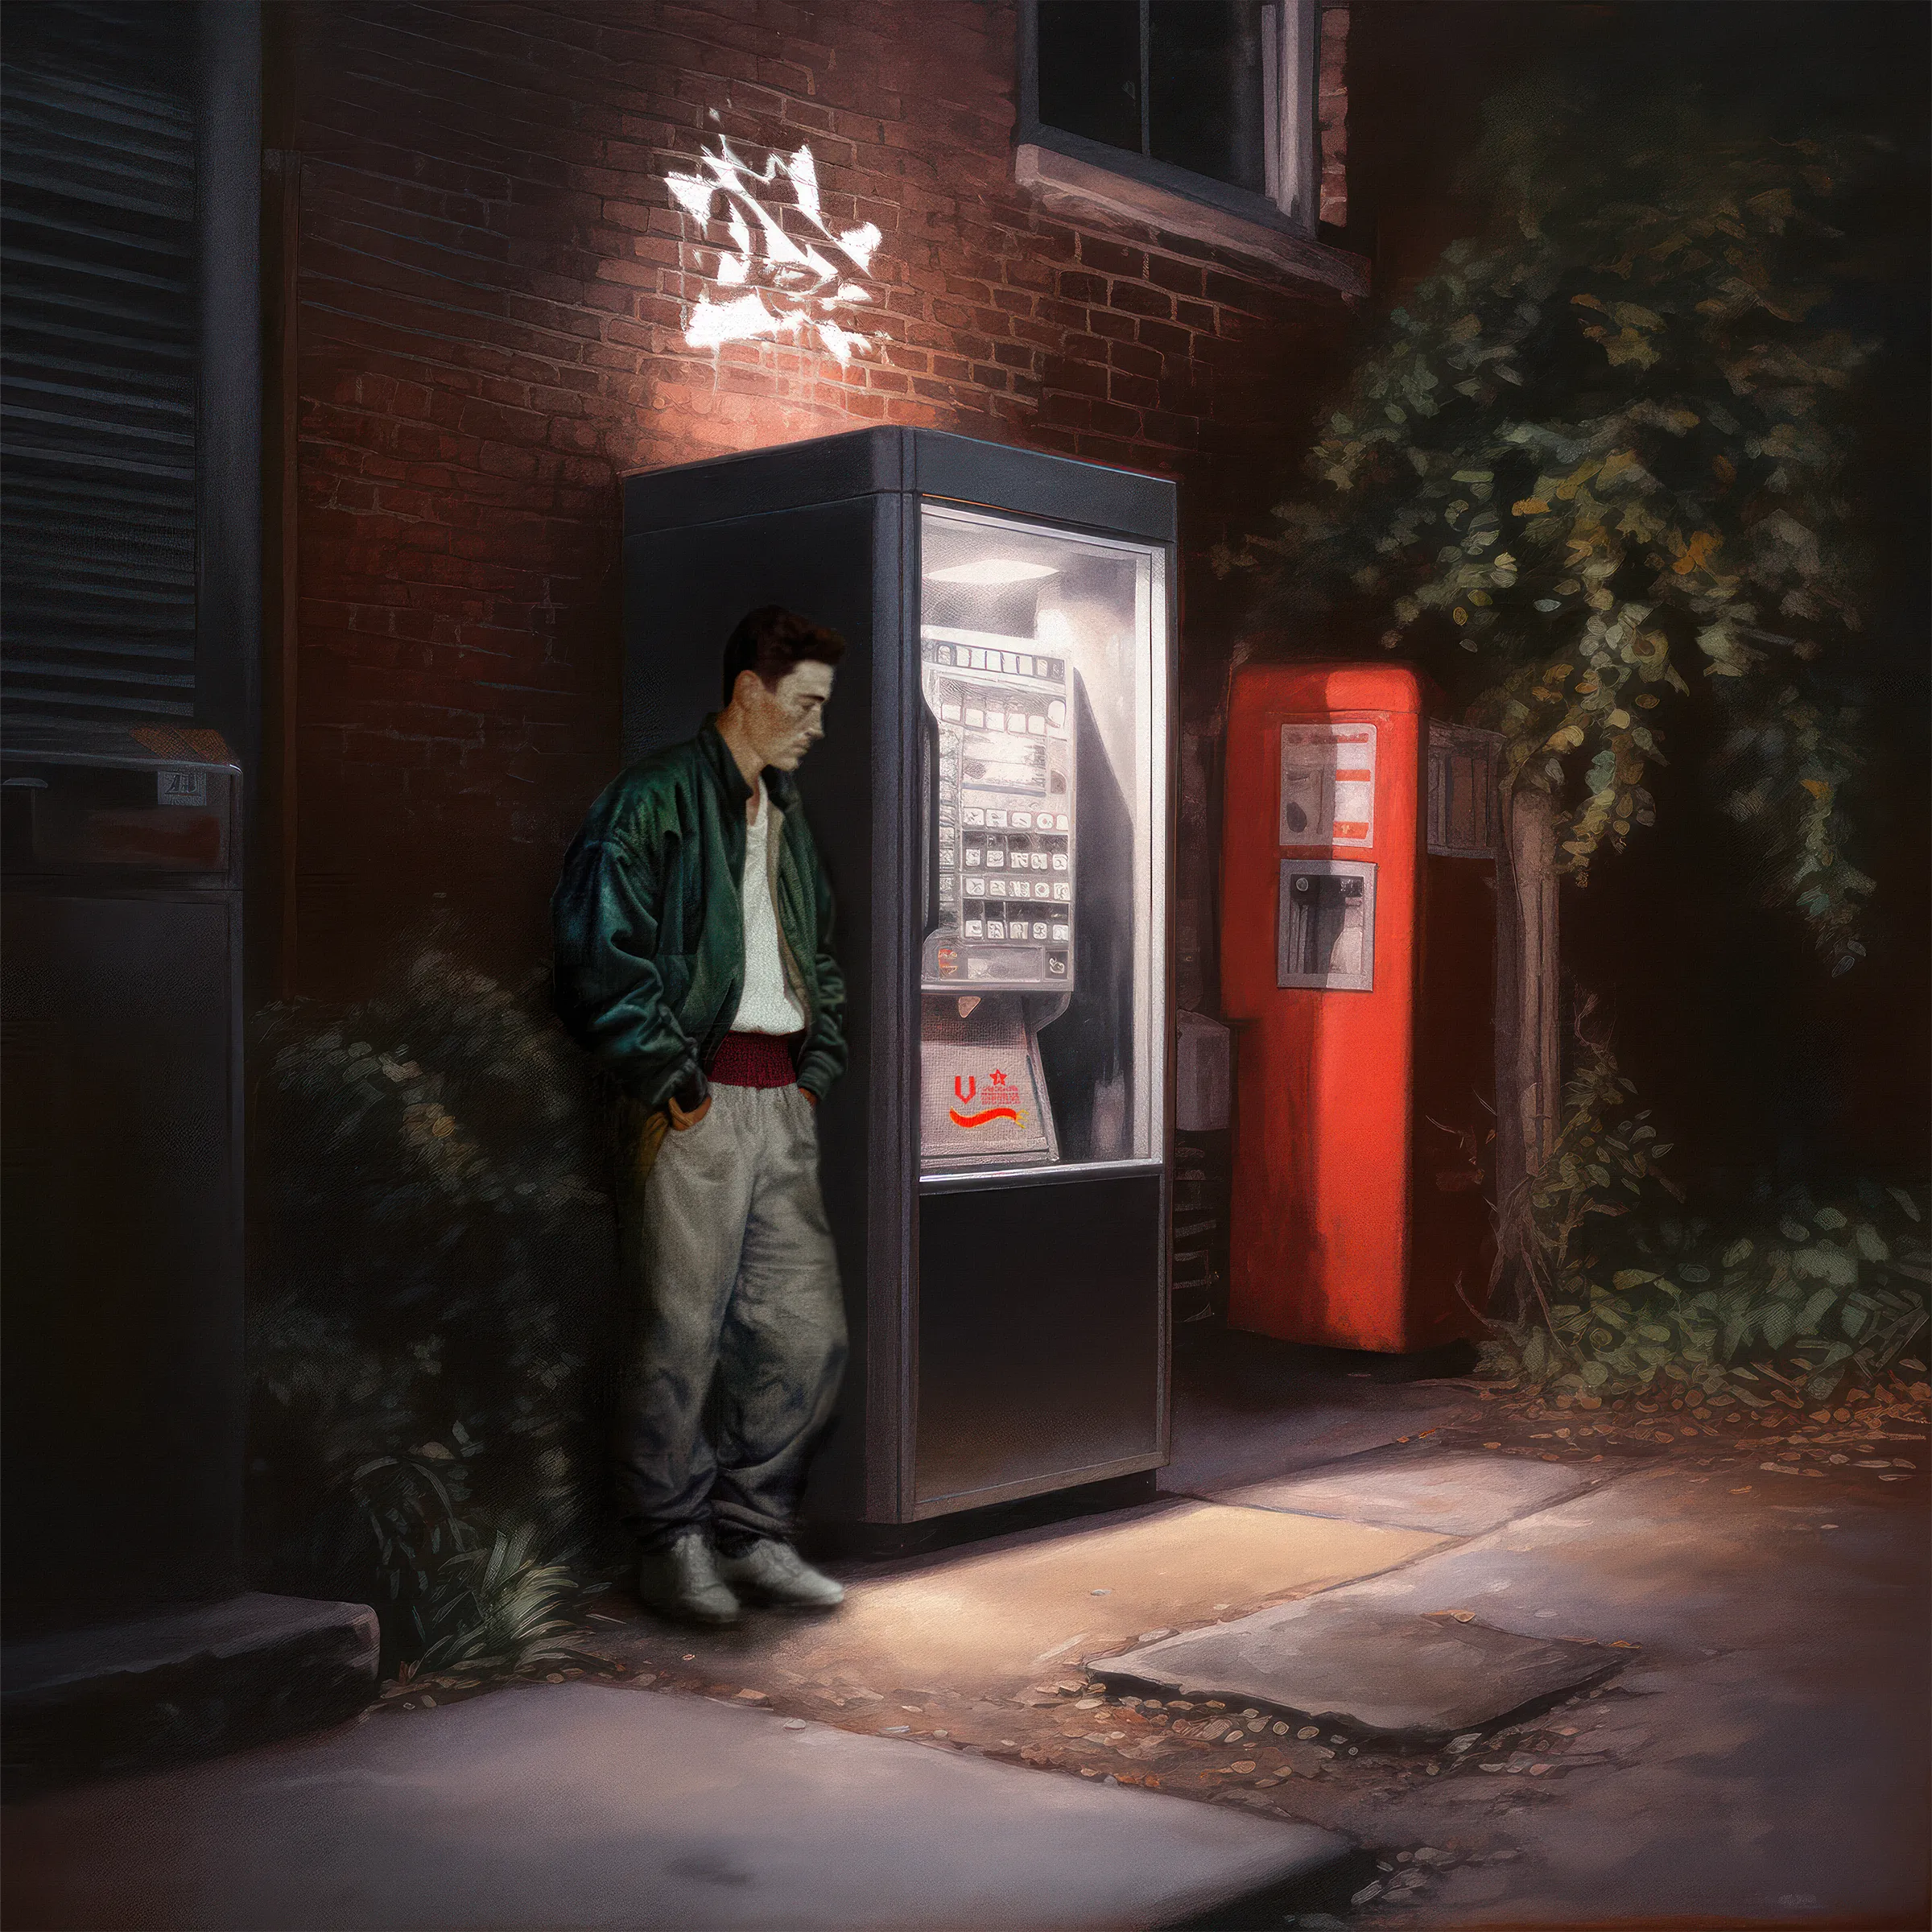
431	1331
504	1606
1630	1289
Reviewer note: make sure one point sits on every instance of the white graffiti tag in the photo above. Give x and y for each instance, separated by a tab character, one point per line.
793	287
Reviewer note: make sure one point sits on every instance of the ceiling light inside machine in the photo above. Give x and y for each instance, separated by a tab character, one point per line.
992	570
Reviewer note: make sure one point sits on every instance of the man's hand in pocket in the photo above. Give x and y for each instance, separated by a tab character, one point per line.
681	1122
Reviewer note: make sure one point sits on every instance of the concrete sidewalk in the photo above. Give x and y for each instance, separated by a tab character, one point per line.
1247	1408
1757	1759
585	1804
1762	1759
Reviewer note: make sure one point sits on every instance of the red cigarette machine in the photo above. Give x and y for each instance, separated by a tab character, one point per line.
1357	959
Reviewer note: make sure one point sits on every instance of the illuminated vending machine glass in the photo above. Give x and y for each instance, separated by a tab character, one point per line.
991	801
1035	672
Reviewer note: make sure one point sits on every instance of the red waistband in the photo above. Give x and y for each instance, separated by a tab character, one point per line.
754	1059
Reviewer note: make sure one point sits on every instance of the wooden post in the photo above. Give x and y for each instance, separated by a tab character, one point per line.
1529	1063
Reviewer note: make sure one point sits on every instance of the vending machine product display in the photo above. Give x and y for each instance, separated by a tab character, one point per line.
1358	949
991	798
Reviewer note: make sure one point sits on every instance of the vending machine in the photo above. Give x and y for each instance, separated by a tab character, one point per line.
1357	960
991	801
120	1099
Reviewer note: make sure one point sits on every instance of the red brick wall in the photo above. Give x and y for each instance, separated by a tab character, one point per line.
1331	114
494	283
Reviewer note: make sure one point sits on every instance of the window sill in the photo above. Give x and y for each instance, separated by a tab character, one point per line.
1080	188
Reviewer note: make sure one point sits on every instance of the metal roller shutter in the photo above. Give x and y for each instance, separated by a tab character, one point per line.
98	359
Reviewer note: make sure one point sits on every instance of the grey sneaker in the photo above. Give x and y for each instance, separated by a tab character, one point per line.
681	1580
775	1572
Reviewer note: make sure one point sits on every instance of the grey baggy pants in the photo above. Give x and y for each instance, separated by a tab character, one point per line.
741	1340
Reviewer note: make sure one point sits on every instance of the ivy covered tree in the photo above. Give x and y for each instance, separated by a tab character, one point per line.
1597	465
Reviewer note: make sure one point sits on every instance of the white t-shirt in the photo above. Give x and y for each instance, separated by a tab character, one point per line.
767	1005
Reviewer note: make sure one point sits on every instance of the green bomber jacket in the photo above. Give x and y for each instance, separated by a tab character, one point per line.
649	924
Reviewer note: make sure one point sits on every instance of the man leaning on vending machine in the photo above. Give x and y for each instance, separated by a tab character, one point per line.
693	930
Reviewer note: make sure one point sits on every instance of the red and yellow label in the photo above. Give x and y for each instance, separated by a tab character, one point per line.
1000	1094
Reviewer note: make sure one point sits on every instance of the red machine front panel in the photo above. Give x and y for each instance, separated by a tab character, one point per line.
1324	766
1358	959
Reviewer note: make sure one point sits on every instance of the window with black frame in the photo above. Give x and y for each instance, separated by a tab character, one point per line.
1213	97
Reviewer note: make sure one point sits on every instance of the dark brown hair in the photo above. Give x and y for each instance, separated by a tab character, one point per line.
773	642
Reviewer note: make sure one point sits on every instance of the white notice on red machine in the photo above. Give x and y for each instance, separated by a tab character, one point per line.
1328	785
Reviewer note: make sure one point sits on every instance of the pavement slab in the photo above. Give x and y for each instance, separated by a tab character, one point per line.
1419	1486
579	1805
995	1617
1762	1759
1388	1675
1254	1410
1005	1612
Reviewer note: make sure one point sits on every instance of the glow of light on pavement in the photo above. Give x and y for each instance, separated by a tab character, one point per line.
795	287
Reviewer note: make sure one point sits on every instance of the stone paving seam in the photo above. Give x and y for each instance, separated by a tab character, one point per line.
1628	1467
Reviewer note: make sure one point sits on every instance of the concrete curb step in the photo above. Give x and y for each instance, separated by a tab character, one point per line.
182	1685
585	1804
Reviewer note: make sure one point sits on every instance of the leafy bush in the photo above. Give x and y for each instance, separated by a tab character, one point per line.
430	1325
503	1604
1601	462
1631	1290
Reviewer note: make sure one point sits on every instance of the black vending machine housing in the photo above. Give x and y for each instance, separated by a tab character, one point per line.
121	974
1009	1326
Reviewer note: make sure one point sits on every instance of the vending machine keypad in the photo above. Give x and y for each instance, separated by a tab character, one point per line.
1003	831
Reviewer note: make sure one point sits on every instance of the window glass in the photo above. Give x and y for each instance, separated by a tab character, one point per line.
1090	69
1204	88
1203	59
1040	968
